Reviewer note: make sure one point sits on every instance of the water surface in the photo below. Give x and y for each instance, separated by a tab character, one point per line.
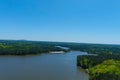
42	67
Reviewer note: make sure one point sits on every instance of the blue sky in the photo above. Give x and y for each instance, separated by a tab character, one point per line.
89	21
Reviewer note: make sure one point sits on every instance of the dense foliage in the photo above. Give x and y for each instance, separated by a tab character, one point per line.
108	70
88	61
21	47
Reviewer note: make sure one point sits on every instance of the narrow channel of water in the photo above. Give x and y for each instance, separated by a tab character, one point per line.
42	67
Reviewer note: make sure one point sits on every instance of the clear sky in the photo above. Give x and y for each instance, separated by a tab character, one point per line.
89	21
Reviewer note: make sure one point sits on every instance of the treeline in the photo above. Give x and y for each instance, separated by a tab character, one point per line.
22	47
93	48
89	61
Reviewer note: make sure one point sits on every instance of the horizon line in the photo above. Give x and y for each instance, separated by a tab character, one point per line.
61	41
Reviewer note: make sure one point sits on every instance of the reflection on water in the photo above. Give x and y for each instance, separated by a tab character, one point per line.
42	67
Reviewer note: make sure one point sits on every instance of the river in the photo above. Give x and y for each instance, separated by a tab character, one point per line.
42	67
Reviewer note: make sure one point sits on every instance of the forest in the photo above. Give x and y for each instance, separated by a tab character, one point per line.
22	47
